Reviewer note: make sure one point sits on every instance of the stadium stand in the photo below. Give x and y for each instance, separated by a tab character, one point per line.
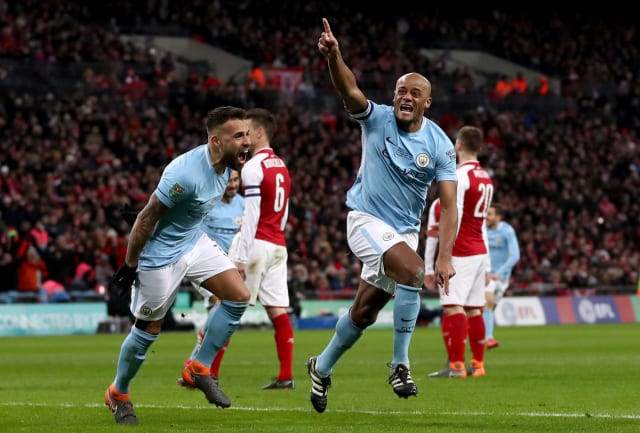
87	123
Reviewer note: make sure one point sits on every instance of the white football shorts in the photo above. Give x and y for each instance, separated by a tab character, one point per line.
369	238
266	273
466	288
155	290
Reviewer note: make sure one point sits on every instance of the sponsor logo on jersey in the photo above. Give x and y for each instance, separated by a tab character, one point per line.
387	236
399	151
200	208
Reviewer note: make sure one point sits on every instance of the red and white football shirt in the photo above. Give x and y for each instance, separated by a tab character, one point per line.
475	191
267	185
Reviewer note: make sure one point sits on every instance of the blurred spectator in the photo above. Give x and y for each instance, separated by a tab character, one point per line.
543	86
84	279
256	78
31	272
503	87
519	84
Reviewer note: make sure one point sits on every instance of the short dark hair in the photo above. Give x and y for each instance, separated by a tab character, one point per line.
221	115
471	138
497	208
265	119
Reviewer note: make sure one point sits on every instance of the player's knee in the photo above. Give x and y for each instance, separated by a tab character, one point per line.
241	295
363	316
411	275
150	326
452	309
418	277
471	312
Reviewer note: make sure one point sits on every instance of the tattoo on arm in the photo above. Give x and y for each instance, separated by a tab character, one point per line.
143	228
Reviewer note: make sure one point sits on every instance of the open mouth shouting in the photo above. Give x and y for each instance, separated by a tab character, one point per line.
406	108
243	156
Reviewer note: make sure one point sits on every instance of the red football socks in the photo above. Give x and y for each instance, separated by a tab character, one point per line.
284	345
454	332
215	365
476	337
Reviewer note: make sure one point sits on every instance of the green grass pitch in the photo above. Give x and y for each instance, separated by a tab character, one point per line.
546	379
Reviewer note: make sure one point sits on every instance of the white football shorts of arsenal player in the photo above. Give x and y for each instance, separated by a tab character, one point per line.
470	256
470	250
261	242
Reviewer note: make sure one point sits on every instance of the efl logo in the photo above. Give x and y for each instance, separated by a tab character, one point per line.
591	312
520	311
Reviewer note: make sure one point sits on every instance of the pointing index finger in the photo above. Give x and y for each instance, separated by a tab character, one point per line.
327	27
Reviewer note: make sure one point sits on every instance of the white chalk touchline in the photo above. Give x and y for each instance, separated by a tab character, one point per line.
354	411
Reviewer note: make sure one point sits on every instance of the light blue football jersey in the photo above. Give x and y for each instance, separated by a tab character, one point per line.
189	187
398	167
503	249
223	222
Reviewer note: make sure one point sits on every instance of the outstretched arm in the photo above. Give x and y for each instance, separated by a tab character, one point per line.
343	79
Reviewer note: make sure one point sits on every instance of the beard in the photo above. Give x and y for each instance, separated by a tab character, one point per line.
235	159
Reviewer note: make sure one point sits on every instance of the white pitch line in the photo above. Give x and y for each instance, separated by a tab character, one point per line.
354	411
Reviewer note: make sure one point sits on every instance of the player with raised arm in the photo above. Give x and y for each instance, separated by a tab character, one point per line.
262	249
505	253
463	304
402	153
166	244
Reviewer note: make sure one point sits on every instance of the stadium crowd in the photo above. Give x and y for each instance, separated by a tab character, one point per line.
70	164
586	49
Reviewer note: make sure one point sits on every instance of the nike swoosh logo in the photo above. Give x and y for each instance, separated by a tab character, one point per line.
408	320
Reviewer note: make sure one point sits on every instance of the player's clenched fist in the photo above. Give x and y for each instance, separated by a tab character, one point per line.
123	280
327	44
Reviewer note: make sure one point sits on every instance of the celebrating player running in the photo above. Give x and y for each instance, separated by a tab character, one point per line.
402	153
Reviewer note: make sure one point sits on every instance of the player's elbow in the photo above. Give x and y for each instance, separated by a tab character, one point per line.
354	99
515	258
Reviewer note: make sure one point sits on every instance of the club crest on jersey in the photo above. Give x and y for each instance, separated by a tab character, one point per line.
176	191
422	160
387	236
146	310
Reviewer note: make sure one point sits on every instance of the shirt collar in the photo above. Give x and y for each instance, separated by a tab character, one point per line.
208	156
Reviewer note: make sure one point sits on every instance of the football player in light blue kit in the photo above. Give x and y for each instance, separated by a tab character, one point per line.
505	253
402	153
167	244
224	220
221	224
